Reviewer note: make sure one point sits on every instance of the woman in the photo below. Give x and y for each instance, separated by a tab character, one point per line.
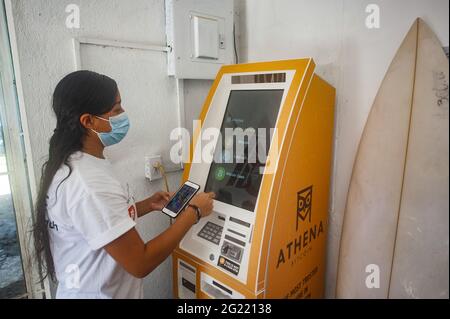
84	230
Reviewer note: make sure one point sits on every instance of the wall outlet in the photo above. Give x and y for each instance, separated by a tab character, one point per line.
151	172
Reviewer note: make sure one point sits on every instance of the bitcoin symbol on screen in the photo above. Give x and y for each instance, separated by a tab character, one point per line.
220	173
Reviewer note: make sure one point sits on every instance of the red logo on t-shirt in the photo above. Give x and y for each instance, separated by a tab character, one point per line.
132	212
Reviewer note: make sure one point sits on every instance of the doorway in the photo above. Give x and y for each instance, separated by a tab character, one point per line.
19	273
12	281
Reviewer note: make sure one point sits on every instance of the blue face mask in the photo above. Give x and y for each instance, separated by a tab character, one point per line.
119	128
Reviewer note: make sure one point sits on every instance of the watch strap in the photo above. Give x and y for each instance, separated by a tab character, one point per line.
197	211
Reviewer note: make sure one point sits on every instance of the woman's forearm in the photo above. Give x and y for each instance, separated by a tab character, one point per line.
140	259
144	207
159	248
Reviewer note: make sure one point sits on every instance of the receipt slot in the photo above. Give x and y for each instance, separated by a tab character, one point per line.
267	234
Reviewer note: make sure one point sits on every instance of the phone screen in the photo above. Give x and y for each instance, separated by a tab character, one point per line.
181	198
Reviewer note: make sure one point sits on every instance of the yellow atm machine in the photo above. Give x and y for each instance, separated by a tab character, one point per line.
267	234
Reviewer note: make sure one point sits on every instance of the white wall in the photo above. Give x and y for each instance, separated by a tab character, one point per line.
148	94
195	92
348	55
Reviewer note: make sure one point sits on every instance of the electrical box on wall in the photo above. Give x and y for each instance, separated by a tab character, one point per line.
200	34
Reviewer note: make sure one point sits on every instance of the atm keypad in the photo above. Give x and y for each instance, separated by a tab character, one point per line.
211	232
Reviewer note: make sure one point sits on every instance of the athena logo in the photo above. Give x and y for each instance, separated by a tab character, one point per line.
73	19
304	204
373	279
73	276
373	19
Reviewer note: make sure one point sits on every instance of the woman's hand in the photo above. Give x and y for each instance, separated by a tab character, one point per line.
159	200
204	201
155	202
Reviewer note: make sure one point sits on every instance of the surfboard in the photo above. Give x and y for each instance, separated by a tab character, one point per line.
395	234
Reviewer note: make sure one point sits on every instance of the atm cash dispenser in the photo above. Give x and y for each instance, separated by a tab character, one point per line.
267	234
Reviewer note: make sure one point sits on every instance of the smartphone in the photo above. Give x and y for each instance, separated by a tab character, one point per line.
181	198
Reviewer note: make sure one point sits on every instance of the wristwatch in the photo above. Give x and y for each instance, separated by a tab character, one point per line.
198	211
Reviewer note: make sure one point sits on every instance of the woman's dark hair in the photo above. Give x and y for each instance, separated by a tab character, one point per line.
76	94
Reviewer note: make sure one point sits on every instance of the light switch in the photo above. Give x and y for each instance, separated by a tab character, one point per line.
206	38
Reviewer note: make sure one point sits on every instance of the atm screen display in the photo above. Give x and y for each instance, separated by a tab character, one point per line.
236	172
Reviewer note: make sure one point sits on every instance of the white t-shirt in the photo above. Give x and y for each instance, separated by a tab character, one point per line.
86	212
